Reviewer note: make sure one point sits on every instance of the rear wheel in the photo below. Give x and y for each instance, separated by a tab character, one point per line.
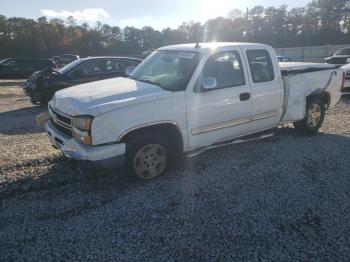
315	113
147	155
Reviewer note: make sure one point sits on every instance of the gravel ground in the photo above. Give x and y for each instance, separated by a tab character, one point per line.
286	198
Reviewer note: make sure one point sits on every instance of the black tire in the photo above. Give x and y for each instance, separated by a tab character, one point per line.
141	143
310	125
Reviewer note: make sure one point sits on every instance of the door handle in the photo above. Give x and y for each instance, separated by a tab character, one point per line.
244	96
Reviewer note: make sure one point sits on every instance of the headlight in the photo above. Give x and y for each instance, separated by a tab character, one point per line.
82	122
82	129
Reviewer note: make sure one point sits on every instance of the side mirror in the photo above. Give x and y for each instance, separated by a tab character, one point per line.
129	70
209	83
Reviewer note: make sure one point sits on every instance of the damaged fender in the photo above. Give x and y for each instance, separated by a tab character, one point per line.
297	91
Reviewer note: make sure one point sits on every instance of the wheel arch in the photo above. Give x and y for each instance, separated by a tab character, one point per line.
169	128
323	95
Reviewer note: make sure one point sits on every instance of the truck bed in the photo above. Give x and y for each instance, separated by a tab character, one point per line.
294	66
291	68
303	79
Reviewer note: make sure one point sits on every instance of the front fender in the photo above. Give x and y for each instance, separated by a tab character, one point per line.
111	126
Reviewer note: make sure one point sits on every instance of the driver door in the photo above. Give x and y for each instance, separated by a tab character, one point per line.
223	112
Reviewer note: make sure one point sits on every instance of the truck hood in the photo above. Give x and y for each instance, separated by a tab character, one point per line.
99	97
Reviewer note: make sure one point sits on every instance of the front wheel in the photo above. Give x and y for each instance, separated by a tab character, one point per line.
147	155
315	114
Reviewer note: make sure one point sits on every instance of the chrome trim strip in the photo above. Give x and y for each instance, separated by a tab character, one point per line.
225	124
265	115
233	122
62	124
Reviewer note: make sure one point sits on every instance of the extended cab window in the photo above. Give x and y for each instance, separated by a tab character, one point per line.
260	65
226	68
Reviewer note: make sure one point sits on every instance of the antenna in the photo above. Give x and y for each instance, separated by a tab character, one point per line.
197	45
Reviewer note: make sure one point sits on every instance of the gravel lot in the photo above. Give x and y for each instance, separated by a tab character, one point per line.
286	198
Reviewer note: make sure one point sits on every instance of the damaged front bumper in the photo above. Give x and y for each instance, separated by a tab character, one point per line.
31	90
108	156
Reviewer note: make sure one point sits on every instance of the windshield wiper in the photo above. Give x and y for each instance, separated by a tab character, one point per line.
148	82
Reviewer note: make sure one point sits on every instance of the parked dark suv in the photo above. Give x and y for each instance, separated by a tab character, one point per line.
42	85
23	67
341	57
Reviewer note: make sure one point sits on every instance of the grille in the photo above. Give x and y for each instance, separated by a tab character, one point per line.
64	130
63	119
62	123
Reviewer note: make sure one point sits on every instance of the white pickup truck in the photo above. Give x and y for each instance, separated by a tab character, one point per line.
185	99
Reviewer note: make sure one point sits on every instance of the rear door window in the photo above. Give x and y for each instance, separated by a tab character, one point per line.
114	65
260	65
88	68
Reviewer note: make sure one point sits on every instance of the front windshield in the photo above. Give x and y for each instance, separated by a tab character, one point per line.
171	70
69	66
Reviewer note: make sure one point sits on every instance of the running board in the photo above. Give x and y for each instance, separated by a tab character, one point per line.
248	138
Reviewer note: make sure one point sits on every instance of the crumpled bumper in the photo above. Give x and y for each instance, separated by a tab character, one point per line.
30	90
108	156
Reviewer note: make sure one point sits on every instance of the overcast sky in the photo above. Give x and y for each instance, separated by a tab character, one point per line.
156	13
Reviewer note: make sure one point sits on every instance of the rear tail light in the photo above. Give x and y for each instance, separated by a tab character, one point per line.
343	82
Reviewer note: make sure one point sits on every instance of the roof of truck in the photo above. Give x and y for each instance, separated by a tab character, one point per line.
204	47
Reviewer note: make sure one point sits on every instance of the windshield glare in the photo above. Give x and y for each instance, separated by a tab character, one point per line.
69	66
171	70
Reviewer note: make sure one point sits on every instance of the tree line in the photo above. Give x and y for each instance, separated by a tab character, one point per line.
321	22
